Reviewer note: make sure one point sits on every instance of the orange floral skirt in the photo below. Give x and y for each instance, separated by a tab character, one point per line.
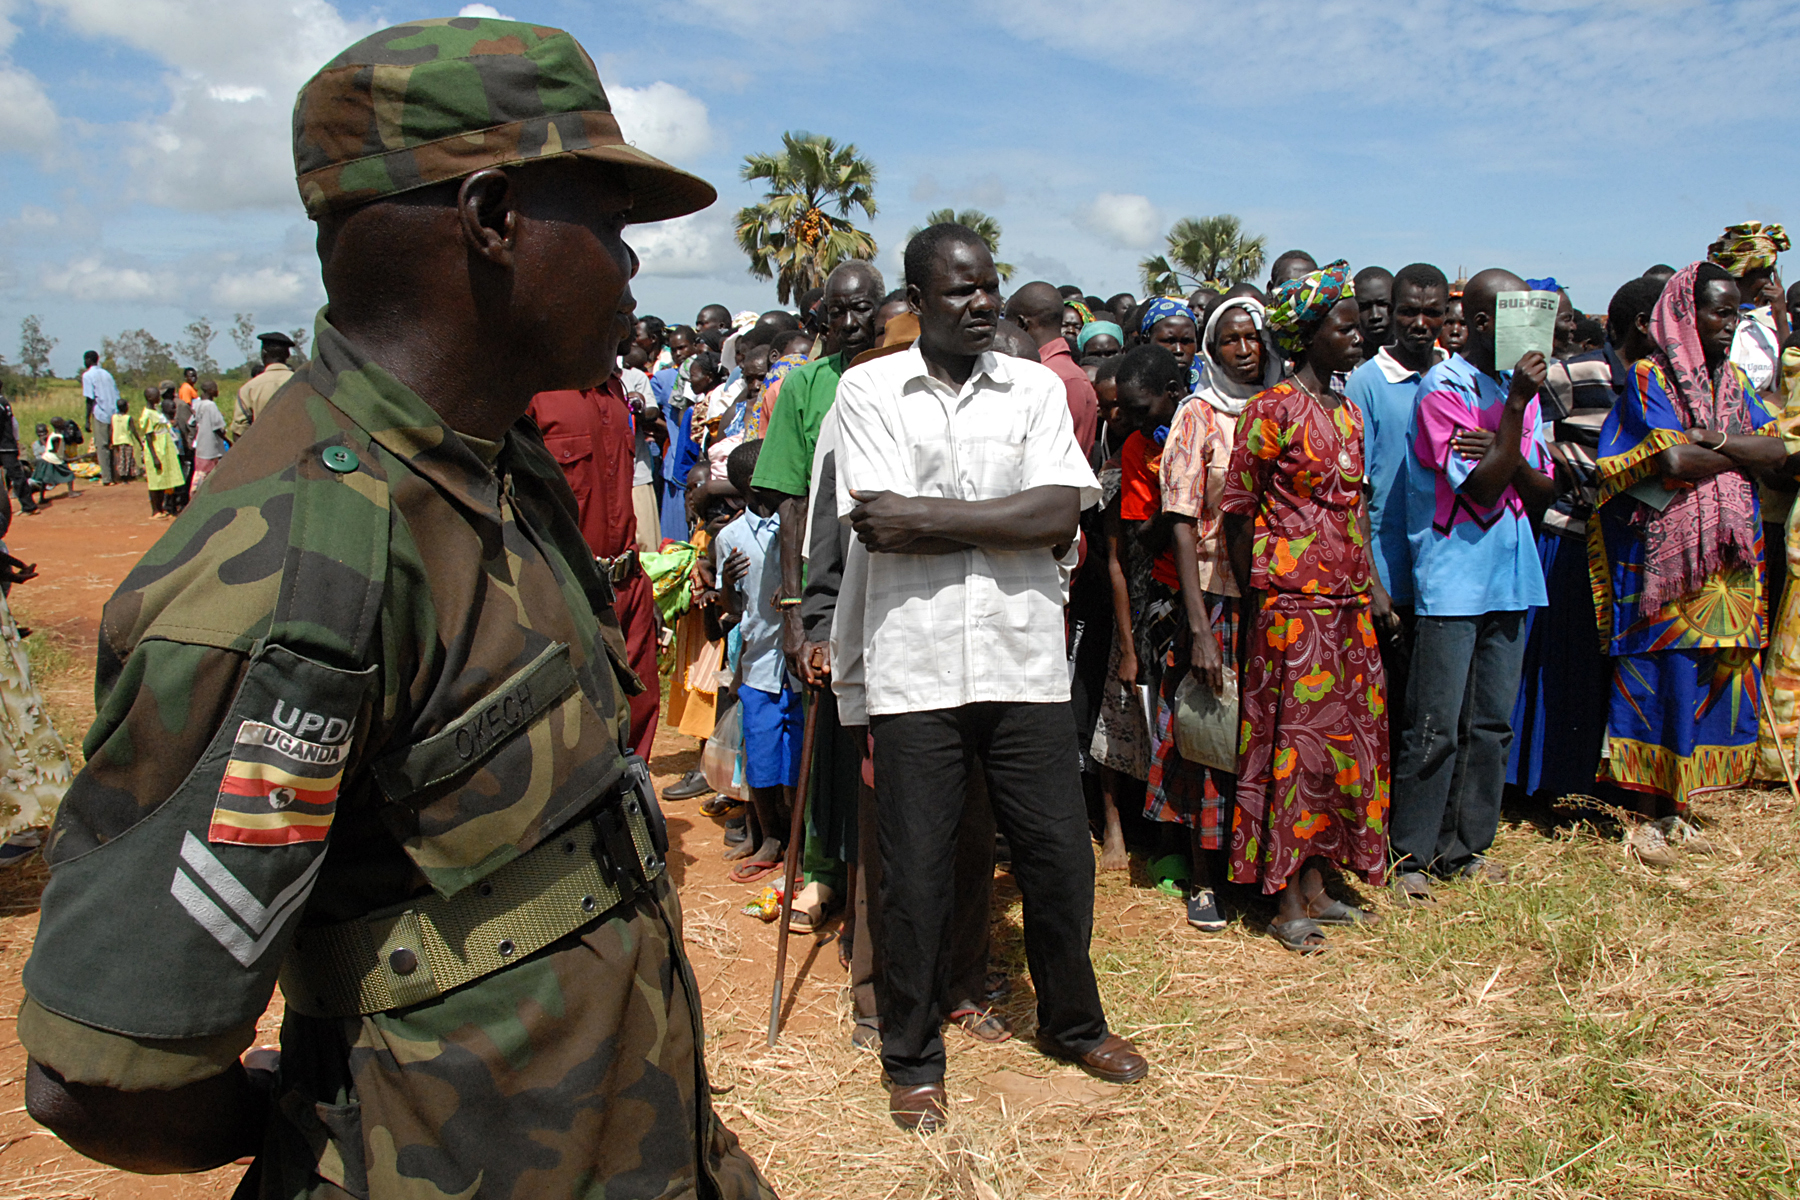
1313	773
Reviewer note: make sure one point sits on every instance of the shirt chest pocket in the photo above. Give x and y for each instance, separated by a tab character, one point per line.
498	778
574	453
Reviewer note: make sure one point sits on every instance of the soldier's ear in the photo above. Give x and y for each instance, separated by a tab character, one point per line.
487	213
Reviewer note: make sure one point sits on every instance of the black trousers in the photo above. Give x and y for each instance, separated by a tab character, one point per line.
922	760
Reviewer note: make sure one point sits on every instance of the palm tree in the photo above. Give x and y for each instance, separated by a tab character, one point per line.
1204	250
789	236
985	227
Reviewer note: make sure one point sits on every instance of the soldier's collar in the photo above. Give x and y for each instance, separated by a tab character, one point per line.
395	418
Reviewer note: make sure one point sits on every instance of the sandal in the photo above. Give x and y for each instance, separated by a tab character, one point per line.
1413	887
754	872
982	1024
719	804
1203	911
1339	913
1295	935
812	907
1169	874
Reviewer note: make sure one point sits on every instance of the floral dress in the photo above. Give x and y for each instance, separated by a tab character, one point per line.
1313	773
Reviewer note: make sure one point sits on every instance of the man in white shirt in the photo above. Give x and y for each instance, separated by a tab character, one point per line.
959	472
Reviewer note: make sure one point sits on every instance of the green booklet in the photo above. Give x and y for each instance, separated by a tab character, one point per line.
1523	322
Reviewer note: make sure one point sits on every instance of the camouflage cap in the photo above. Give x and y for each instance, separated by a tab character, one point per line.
439	99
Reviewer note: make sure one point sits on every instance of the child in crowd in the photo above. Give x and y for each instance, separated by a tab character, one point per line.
209	433
156	435
51	468
728	426
768	695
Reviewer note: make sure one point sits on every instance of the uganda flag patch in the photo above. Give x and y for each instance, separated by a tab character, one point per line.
278	789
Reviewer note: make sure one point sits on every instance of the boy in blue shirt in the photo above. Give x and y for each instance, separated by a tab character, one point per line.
1476	477
750	575
1386	387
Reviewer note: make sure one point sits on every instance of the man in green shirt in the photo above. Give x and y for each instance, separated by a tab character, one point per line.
853	293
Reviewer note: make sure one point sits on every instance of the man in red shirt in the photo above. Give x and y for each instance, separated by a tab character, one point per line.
1037	308
589	433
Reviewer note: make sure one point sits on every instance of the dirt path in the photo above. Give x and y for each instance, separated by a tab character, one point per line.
83	548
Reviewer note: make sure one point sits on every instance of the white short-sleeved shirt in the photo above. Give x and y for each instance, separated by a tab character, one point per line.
915	632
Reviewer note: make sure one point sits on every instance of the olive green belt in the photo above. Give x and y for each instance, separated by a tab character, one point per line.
409	954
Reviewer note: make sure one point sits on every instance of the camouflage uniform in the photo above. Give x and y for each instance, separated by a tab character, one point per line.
372	668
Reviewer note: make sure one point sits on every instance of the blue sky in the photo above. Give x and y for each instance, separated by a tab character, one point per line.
147	175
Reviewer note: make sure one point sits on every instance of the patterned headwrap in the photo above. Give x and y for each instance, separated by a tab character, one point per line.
1300	304
1713	523
1161	309
1083	311
1748	246
1094	329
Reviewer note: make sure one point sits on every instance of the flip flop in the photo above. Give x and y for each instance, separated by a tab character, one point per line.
1293	935
718	805
981	1024
1339	913
754	872
1169	874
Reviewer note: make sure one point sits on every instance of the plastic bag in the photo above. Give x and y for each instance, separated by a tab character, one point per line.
722	763
1206	726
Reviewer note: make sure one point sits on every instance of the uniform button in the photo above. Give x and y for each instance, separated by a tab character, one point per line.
403	961
341	459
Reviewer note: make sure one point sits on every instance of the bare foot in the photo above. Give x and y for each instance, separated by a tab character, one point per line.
1112	852
743	849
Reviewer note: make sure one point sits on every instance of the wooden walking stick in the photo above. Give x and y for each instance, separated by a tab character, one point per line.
795	850
1768	715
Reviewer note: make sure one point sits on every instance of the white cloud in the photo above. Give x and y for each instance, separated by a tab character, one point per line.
1123	219
1618	63
92	279
662	120
695	245
267	287
201	284
225	139
236	94
482	10
28	120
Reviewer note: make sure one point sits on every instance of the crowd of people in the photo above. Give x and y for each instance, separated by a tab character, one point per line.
1280	587
173	439
1158	570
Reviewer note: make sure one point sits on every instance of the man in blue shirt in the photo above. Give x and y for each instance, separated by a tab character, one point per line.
1385	387
101	395
1475	480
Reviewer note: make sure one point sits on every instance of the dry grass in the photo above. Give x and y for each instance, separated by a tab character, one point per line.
1592	1030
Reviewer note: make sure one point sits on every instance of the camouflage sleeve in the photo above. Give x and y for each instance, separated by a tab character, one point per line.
182	857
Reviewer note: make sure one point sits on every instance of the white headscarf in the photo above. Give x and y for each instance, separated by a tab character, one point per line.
1220	390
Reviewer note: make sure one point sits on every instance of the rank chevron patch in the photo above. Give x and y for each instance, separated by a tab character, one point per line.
250	925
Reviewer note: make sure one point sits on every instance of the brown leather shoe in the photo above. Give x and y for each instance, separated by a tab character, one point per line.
1115	1060
919	1107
